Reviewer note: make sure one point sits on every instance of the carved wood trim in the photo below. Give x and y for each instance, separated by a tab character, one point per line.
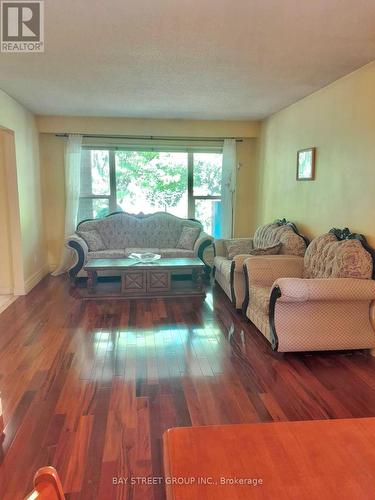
275	294
245	302
232	292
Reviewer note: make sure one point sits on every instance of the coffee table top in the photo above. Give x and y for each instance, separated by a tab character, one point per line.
105	264
293	459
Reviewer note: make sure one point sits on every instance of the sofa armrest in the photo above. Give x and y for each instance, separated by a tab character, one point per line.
203	242
265	270
239	261
325	289
203	239
220	248
80	252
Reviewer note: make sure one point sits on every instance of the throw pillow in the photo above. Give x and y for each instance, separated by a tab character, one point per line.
238	247
188	237
241	248
93	239
274	250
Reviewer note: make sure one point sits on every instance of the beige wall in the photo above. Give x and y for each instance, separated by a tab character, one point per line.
15	117
52	162
340	121
6	273
14	260
244	219
53	188
148	127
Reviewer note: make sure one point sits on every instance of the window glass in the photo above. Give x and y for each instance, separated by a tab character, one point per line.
93	208
207	174
148	181
152	181
208	212
95	172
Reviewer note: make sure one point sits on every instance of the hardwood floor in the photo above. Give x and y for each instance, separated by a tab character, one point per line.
90	386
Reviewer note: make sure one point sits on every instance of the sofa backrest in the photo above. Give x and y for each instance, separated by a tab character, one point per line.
272	234
329	257
123	230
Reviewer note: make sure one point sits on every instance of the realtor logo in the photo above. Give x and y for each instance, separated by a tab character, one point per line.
22	26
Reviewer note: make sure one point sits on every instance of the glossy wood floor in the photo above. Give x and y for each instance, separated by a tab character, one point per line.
89	387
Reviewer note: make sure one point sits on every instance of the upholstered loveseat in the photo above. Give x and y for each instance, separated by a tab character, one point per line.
324	301
120	234
229	272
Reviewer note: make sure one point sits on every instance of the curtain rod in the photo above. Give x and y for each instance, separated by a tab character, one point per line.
151	137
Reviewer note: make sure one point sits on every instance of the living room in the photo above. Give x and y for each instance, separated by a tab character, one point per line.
187	249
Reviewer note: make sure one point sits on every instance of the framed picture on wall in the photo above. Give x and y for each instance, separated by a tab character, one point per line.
306	164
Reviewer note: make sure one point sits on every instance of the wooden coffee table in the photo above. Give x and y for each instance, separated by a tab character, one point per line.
161	278
312	460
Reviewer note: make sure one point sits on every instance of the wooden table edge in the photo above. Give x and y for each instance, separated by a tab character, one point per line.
169	435
167	465
195	264
329	421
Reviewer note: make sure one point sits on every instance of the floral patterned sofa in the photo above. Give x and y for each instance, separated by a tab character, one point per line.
324	301
229	272
120	234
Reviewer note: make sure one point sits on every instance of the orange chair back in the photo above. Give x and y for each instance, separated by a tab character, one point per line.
47	485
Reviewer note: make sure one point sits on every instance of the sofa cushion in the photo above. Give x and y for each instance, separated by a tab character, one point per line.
243	248
272	234
166	253
188	237
107	254
237	247
176	253
227	243
163	230
130	250
327	257
274	250
93	239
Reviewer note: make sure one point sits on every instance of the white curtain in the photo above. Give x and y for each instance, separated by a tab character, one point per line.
72	192
228	187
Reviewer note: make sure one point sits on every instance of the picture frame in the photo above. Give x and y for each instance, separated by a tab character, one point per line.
306	164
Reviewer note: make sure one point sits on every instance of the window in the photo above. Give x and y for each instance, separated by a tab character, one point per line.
207	191
186	184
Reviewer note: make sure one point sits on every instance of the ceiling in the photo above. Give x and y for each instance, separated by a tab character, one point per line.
199	59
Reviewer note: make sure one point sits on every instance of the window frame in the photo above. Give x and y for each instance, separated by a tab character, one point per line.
112	196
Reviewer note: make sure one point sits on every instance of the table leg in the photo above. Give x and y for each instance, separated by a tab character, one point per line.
123	282
198	277
92	278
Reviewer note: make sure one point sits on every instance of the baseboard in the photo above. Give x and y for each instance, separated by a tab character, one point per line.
32	281
7	304
6	291
52	267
